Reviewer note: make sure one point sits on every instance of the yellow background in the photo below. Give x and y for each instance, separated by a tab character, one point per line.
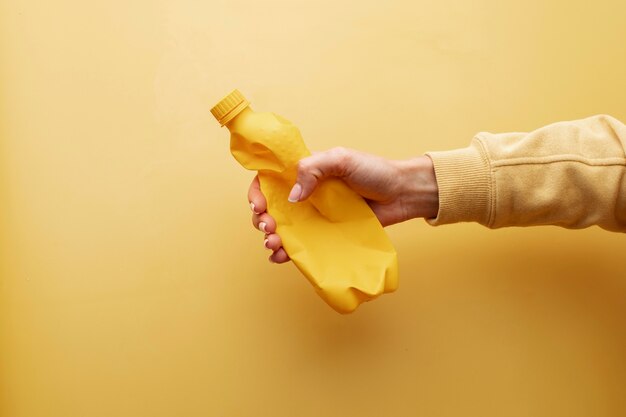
132	283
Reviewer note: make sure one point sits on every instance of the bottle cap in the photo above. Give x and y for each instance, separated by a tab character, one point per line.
229	107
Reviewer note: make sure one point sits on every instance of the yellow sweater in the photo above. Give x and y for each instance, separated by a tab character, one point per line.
570	174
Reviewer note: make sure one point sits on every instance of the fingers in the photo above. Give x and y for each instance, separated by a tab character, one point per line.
264	222
260	219
258	204
312	169
272	242
279	257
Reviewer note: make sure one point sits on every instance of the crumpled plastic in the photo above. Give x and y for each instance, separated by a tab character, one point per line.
333	237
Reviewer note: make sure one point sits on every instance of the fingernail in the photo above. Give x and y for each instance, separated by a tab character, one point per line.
262	226
295	193
265	243
252	207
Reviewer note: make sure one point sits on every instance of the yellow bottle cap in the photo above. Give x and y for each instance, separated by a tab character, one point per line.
229	107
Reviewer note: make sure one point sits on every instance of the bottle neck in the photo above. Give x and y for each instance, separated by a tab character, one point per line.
242	114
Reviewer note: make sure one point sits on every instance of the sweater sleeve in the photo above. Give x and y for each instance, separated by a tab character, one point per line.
570	174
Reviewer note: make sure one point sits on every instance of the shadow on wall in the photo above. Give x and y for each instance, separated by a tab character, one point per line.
540	281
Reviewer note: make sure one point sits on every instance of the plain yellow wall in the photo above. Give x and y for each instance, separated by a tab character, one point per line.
133	284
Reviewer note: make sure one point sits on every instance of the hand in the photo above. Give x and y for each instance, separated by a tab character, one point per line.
396	191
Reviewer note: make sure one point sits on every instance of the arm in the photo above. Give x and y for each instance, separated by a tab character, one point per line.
570	174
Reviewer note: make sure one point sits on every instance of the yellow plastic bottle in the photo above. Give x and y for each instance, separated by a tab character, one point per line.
333	237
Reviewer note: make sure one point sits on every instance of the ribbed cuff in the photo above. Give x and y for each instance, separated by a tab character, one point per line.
464	181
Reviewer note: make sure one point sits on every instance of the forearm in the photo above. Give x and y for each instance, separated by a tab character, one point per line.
570	174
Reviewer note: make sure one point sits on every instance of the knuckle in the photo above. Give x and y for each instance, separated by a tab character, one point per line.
338	153
341	157
303	166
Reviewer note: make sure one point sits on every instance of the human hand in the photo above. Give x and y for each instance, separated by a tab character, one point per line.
396	191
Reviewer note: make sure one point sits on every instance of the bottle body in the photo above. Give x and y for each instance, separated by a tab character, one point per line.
333	237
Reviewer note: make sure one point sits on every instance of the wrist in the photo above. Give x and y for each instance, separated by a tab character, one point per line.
420	193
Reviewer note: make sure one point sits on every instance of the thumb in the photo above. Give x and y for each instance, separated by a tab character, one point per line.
317	167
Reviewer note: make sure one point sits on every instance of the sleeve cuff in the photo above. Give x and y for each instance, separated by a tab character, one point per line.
465	185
